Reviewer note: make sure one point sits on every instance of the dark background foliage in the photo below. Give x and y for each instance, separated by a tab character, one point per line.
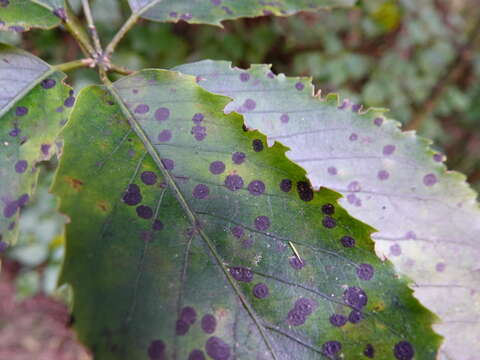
420	59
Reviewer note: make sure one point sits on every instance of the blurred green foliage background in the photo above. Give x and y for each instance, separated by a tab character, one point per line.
405	55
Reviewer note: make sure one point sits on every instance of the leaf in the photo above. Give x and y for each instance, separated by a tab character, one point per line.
178	245
427	218
215	11
22	15
34	104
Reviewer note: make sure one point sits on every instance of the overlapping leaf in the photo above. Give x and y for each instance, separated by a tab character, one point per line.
178	245
215	11
34	104
428	218
21	15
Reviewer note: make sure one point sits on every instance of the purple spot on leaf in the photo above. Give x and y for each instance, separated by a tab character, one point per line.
162	114
238	157
403	351
217	167
260	291
142	109
256	187
348	241
201	191
148	177
241	274
430	179
21	166
209	324
217	349
233	182
262	223
165	136
365	272
338	320
145	212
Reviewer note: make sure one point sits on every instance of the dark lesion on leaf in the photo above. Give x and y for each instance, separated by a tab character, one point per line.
76	184
103	205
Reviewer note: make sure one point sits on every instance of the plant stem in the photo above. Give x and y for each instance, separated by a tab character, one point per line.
91	27
120	70
131	21
73	26
72	65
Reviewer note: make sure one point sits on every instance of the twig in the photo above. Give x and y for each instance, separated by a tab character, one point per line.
131	21
72	65
120	70
73	26
91	27
453	72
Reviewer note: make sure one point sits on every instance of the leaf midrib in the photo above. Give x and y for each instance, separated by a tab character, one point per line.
190	213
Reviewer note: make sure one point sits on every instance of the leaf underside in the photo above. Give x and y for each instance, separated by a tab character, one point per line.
427	218
34	104
178	245
22	15
215	11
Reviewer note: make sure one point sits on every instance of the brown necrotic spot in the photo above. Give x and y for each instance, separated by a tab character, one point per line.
257	145
305	306
305	191
142	109
209	324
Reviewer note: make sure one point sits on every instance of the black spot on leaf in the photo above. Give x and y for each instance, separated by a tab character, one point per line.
305	191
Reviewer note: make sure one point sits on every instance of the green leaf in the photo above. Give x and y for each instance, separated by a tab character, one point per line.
178	245
215	11
34	104
427	218
22	15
